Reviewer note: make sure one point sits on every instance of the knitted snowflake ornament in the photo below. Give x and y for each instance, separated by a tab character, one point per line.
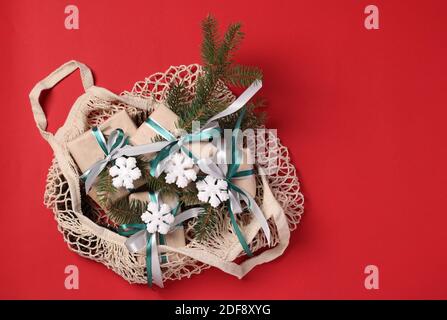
158	218
212	190
180	170
125	172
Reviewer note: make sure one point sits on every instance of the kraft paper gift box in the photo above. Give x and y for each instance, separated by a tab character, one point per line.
86	151
247	183
175	238
168	120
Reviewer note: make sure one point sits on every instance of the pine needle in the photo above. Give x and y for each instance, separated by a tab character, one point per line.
210	40
178	99
104	188
124	211
243	76
217	54
205	224
232	39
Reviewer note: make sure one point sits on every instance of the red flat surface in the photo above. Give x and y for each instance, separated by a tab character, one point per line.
362	112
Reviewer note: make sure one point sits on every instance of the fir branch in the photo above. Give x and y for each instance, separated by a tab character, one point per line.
159	184
190	199
206	223
217	56
124	211
242	76
204	94
105	188
155	183
232	38
178	99
212	55
188	196
210	40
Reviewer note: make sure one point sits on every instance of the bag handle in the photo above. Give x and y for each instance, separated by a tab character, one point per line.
49	82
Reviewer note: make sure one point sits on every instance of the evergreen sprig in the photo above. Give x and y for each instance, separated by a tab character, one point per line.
105	188
231	41
188	196
124	211
210	39
217	55
218	68
242	76
205	223
178	99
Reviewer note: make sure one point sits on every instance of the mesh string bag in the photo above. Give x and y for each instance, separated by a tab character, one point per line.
88	232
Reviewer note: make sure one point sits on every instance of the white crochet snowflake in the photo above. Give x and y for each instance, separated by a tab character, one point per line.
212	190
125	172
158	218
180	170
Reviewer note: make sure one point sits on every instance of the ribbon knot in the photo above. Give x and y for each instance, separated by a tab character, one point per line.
228	172
140	238
172	144
112	150
175	144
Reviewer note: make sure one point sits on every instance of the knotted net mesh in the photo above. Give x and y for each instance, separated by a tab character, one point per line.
96	245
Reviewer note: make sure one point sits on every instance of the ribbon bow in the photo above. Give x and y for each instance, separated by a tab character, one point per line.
140	238
111	148
176	143
229	171
173	144
116	146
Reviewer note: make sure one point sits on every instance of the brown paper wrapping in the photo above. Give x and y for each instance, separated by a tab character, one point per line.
86	151
176	238
247	183
168	119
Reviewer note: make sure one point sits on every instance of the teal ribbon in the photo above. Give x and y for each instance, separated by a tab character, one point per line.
176	144
137	233
111	149
131	229
232	172
229	173
173	144
153	240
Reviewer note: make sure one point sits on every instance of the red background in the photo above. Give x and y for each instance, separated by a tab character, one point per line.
362	111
